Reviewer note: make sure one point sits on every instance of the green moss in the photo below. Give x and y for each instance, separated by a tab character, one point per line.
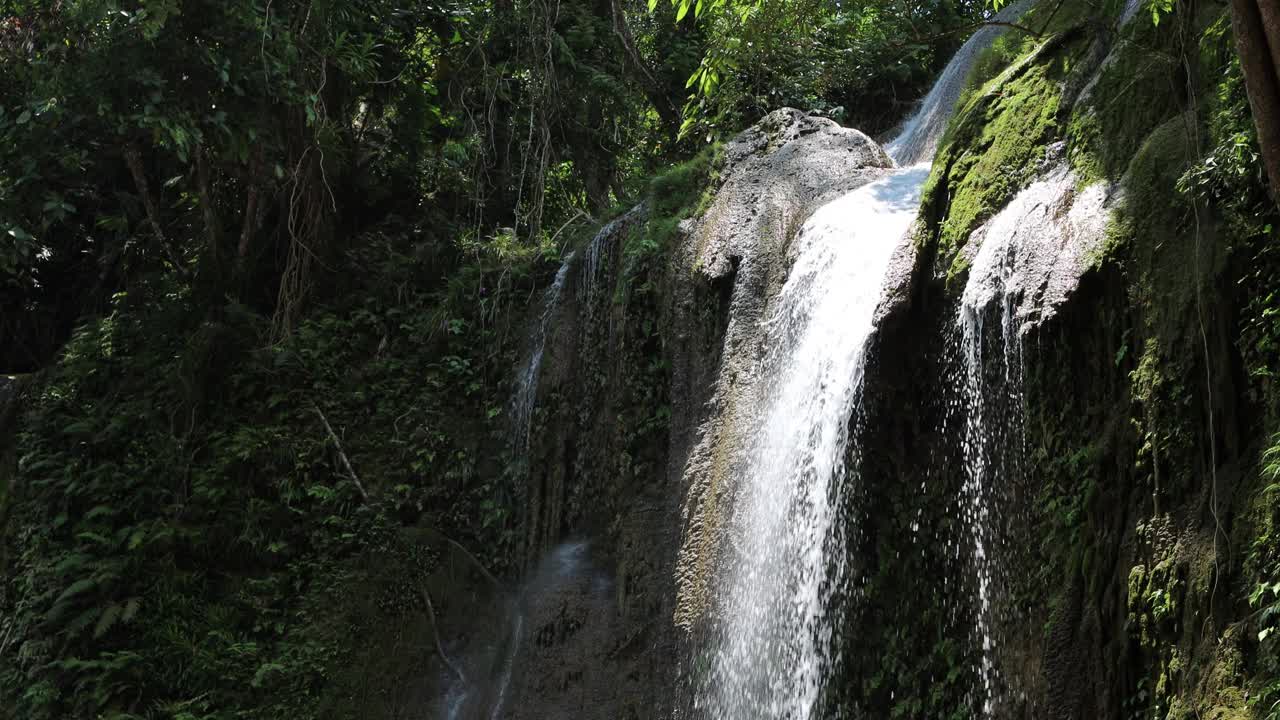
1161	224
993	146
993	59
1137	90
687	187
685	190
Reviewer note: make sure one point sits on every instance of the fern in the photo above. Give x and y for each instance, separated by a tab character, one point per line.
76	588
130	610
1271	462
108	620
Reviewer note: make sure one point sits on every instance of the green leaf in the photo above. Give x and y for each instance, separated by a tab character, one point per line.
76	588
107	621
100	511
130	610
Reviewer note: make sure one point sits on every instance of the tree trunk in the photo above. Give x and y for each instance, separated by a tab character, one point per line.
1256	24
251	214
1269	12
204	190
133	158
657	95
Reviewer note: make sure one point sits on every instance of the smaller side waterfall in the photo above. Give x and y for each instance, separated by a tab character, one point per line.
1030	258
993	434
591	273
493	670
526	388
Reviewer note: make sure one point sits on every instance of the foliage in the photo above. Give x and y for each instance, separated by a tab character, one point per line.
863	63
1230	177
182	508
682	191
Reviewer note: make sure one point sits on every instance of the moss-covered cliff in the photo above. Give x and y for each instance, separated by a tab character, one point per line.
345	524
1136	538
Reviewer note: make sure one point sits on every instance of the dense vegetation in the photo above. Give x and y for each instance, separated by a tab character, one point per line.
263	280
266	269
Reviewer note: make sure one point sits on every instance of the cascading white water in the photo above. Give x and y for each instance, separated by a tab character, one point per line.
921	133
1129	11
1030	258
992	435
771	640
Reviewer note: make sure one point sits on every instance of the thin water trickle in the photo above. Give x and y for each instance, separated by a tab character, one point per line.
993	437
1030	258
508	664
525	396
492	669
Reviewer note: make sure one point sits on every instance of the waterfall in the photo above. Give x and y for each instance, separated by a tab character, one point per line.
525	396
592	275
494	667
1030	258
771	637
993	437
1129	11
920	135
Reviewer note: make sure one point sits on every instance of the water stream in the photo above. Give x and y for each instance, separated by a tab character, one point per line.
492	667
526	387
772	637
993	433
920	134
771	640
769	650
1030	258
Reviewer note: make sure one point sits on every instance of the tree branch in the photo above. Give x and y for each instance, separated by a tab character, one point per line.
251	207
661	102
203	188
337	444
435	631
474	560
971	26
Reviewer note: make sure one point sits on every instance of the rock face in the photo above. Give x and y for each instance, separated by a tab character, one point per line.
1099	587
643	367
1108	589
776	175
1037	248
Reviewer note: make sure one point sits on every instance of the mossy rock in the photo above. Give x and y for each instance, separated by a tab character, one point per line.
1138	88
994	146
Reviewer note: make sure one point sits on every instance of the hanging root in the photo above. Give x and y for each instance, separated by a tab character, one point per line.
474	560
306	224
